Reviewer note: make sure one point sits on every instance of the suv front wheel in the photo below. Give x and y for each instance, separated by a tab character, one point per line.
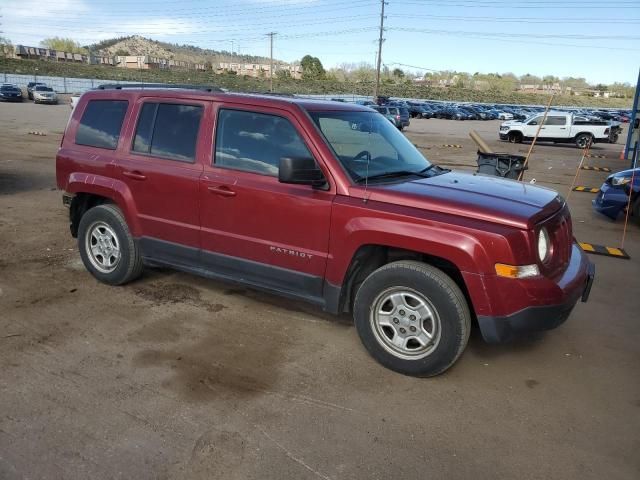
107	248
412	318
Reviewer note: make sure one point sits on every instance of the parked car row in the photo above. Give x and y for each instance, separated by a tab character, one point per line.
36	91
488	111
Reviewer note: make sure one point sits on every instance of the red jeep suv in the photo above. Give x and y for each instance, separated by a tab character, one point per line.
322	201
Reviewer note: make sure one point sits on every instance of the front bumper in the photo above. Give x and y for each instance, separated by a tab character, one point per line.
11	99
51	101
610	201
504	135
575	284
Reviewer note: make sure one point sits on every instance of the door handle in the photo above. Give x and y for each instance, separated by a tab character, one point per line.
224	191
134	175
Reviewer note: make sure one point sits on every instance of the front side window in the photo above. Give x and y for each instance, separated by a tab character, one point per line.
369	146
168	130
101	123
255	142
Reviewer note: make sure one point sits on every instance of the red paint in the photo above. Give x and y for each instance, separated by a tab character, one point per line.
471	221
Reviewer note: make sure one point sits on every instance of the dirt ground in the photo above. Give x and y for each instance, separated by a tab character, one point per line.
178	377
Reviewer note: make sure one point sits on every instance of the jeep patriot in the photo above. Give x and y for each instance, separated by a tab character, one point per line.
322	201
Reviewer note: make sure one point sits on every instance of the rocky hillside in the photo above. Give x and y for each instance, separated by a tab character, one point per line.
137	45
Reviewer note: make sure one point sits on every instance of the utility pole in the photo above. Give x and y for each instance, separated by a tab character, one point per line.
271	34
380	40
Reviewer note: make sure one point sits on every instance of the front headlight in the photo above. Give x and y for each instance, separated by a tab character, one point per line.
543	244
617	181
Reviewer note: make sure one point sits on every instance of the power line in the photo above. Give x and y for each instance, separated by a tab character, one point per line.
160	28
555	20
521	35
490	36
200	13
530	5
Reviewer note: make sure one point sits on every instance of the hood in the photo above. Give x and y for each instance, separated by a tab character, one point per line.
511	122
481	197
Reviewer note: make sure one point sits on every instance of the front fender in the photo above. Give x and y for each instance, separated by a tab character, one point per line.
110	188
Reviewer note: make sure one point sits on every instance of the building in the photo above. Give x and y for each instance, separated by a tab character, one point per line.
38	53
258	69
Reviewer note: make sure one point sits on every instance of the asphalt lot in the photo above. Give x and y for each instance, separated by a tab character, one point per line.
176	377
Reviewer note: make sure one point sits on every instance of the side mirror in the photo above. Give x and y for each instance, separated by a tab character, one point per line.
301	171
533	122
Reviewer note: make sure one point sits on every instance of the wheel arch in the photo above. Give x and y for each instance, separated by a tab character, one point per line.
369	257
92	190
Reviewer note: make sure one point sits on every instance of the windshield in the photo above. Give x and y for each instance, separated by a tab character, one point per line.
43	89
368	145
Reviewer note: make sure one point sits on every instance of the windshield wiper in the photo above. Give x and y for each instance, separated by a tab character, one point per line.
397	173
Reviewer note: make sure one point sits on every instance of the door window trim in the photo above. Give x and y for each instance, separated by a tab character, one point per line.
159	101
258	110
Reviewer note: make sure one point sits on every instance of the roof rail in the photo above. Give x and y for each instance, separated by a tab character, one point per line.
274	94
120	86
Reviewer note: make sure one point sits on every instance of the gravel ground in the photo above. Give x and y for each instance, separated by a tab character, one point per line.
177	377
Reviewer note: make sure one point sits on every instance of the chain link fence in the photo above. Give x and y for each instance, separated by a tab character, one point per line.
69	85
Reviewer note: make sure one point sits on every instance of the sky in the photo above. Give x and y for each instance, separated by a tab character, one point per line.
595	39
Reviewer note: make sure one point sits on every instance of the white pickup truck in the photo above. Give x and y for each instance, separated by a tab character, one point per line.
560	127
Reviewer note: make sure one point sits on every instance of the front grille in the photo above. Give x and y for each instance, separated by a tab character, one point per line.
561	236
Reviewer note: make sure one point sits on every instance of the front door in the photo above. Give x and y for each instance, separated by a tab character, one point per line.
254	228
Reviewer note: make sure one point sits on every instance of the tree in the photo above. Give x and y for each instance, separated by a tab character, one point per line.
63	45
4	41
398	73
121	52
529	79
312	68
283	74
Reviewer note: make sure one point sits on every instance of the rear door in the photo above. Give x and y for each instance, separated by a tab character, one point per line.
255	228
162	168
555	126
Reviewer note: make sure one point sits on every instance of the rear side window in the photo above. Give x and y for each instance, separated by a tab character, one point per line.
556	121
101	123
168	130
255	142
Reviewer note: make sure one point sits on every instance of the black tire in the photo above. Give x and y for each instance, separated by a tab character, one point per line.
128	266
635	209
614	138
583	140
412	280
515	137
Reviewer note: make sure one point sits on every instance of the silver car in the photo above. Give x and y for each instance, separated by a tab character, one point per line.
44	94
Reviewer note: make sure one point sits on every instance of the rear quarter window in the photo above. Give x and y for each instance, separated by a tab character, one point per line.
101	123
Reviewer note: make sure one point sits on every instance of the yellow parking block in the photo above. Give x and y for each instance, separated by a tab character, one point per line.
582	188
603	250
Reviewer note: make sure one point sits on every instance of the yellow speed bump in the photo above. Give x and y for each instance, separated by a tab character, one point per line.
596	156
602	250
449	145
584	189
596	169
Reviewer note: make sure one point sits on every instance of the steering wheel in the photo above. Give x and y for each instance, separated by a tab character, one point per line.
364	154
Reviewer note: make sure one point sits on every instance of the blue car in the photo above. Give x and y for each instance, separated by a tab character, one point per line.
613	196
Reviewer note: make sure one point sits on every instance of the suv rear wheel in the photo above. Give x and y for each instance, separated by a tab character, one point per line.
107	247
412	318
